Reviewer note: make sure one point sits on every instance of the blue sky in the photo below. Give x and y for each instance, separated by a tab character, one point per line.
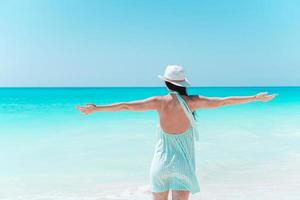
129	42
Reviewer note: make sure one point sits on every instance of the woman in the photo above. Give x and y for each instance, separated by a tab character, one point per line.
173	164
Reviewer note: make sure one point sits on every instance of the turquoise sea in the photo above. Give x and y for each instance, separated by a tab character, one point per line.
48	151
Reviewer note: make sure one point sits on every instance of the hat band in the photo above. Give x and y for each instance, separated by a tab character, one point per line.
174	80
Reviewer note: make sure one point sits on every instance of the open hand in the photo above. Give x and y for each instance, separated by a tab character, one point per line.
263	96
88	109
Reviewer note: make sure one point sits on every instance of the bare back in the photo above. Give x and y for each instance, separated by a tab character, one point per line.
172	116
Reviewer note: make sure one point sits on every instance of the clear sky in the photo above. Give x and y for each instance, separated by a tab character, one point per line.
129	42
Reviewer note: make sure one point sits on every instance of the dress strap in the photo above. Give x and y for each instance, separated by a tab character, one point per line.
188	113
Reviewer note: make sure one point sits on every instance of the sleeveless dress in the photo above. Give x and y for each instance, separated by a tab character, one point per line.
173	164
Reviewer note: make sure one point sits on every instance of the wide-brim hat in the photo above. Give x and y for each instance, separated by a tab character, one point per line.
175	75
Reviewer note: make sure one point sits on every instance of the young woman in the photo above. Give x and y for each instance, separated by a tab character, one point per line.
173	165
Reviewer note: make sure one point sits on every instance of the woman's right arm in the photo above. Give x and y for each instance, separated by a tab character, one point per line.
214	102
151	103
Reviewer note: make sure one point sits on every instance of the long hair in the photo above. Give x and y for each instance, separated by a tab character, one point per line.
180	90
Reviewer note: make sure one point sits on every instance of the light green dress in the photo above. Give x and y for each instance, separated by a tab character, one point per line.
173	164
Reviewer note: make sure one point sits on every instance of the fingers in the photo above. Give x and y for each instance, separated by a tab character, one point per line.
83	110
263	93
82	107
78	106
273	95
269	97
264	96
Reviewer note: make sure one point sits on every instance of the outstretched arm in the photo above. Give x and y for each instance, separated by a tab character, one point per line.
214	102
151	103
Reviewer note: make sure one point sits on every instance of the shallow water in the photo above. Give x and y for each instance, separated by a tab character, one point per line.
49	151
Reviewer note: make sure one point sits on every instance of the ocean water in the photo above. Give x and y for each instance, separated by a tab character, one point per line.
48	151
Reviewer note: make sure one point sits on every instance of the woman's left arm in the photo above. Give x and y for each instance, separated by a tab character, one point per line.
214	102
151	103
262	96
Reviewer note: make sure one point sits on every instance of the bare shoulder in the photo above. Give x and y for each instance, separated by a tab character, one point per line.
191	98
157	101
149	103
196	97
154	100
195	101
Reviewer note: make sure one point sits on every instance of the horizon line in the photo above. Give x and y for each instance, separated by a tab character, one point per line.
1	87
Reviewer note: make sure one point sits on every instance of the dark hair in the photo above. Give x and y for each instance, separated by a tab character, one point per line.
180	90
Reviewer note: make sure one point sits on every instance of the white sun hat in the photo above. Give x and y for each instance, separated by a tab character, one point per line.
175	75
